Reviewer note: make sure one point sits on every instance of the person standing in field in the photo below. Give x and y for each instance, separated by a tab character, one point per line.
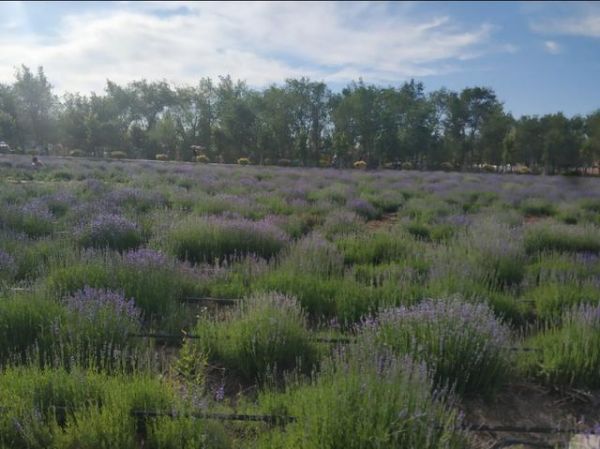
36	163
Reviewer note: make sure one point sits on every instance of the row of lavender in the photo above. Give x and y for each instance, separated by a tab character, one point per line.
92	253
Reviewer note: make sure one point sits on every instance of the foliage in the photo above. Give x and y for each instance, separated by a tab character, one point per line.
568	354
464	344
266	335
364	399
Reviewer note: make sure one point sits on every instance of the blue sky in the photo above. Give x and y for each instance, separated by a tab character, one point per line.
539	57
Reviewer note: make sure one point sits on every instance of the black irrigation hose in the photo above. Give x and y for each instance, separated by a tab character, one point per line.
339	340
509	442
220	301
283	419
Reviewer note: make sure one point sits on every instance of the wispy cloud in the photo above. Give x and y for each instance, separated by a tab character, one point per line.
583	19
552	47
259	42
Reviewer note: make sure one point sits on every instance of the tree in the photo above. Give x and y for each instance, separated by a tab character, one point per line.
35	105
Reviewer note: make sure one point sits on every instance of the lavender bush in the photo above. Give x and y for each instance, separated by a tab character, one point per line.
568	354
110	231
365	399
213	238
463	343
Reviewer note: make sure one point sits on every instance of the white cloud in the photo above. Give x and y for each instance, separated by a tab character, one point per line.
552	47
584	20
259	42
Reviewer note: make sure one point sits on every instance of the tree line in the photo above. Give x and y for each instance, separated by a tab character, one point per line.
300	122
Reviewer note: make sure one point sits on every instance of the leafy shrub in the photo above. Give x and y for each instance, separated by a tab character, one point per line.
207	239
8	267
361	165
110	231
149	277
538	207
118	155
418	230
522	170
562	238
552	299
243	161
265	334
98	412
568	354
342	222
26	324
162	157
363	208
322	298
377	247
76	153
98	325
314	255
284	162
202	158
364	399
464	344
33	218
406	166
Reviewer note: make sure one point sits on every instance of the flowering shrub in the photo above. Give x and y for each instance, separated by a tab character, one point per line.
365	399
315	255
98	324
207	239
150	277
361	165
568	354
265	335
463	343
562	238
341	222
8	267
243	161
363	208
110	231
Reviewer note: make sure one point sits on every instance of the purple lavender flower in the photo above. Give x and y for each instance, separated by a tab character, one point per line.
220	393
89	303
145	258
7	264
362	207
110	230
37	209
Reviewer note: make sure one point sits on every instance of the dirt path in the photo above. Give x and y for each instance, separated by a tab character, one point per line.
528	405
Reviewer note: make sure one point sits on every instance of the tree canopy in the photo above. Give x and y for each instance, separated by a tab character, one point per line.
300	122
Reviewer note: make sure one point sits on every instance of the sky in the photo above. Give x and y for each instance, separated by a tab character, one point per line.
539	57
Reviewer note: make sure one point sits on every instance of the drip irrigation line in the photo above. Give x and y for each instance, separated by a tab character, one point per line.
509	442
339	340
282	419
220	301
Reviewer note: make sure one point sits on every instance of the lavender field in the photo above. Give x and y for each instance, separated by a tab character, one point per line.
362	309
